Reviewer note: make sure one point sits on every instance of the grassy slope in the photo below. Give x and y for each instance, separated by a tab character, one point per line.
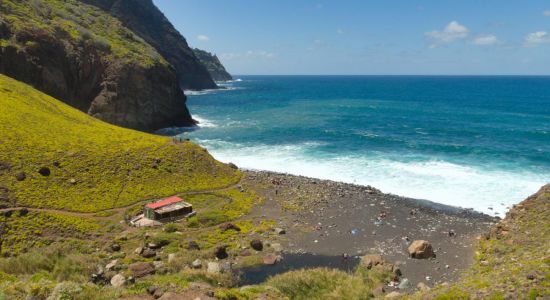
513	262
101	166
82	23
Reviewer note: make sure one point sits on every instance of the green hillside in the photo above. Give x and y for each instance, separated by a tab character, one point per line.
93	165
77	23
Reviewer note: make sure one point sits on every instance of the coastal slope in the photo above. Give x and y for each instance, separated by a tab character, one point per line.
147	21
87	58
213	65
54	156
512	261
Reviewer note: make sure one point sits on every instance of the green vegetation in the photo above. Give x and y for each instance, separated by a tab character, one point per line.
320	283
513	262
37	229
93	166
78	23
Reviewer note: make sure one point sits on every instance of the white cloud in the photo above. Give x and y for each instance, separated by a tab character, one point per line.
546	13
485	40
537	38
452	32
203	38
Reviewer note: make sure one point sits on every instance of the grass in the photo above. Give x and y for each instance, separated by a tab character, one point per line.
94	166
513	262
37	229
319	283
79	24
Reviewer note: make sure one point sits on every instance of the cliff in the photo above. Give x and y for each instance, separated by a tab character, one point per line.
90	60
213	65
147	21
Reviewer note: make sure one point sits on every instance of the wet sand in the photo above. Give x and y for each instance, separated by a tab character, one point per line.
330	218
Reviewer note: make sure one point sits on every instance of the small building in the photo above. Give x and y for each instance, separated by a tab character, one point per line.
167	209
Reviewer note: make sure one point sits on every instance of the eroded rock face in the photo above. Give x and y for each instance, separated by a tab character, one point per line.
83	74
147	21
213	65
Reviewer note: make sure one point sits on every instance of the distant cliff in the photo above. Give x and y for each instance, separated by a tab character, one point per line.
213	65
148	22
90	60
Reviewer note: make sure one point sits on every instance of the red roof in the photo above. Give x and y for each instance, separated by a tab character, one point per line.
164	202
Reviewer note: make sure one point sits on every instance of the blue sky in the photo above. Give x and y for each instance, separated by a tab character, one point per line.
369	37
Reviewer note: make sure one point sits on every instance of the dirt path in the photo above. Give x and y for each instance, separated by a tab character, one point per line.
115	210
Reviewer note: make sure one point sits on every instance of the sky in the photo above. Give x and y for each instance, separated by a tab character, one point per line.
364	37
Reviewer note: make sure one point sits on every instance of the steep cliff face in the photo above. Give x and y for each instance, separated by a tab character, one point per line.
213	65
147	21
88	59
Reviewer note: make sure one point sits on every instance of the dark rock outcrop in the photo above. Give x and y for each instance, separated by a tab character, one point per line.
213	65
86	72
147	21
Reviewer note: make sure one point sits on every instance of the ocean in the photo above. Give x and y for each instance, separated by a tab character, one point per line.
476	142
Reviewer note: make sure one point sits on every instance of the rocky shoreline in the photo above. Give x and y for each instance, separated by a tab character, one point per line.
329	218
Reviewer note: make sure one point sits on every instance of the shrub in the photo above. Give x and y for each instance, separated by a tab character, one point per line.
171	227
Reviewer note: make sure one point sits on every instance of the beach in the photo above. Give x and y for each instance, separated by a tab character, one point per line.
328	218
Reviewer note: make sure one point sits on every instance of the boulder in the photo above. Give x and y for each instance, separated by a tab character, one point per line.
115	247
23	212
153	246
369	261
21	176
192	245
277	247
152	289
196	264
257	245
44	171
280	231
118	280
270	259
158	293
421	249
213	267
229	226
142	269
148	253
110	266
138	250
221	252
404	284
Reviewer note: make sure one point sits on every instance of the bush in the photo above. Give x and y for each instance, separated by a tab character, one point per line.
207	219
323	283
171	227
162	239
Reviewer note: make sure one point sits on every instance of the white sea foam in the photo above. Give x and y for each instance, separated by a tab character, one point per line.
205	123
224	88
489	190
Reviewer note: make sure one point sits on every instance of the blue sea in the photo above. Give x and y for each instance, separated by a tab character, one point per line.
475	142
